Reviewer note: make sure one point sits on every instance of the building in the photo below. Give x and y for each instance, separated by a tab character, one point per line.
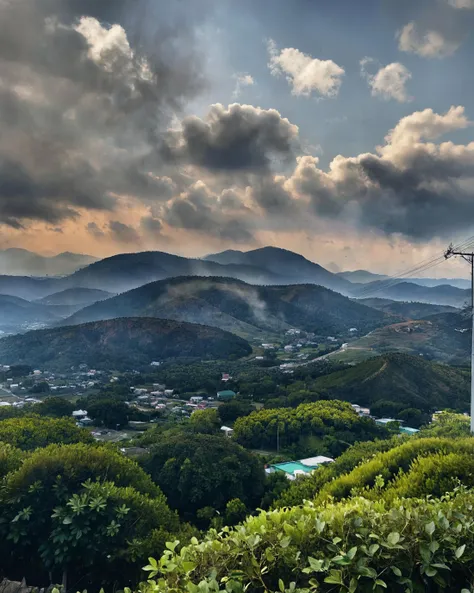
227	431
384	421
226	395
303	467
79	414
408	430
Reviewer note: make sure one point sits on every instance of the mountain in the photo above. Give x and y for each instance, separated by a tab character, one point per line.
18	314
26	287
120	344
233	305
292	267
406	380
443	294
76	296
445	337
410	310
21	262
365	277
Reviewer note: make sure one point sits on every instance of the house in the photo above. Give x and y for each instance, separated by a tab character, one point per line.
384	421
79	414
195	399
226	395
85	422
408	430
168	392
227	431
303	467
155	363
226	377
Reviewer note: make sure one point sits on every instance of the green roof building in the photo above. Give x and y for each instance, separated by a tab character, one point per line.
226	395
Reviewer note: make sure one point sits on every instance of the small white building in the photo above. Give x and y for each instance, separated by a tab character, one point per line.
79	414
227	431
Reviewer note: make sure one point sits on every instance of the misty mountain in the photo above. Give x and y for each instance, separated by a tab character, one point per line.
365	277
233	305
21	262
17	314
292	267
409	310
76	297
407	291
120	344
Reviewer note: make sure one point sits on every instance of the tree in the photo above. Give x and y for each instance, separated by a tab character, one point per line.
108	412
40	387
235	511
77	507
199	470
230	411
205	421
56	406
31	432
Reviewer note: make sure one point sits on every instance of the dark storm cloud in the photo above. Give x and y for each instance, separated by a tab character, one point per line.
151	225
123	233
237	138
95	230
83	104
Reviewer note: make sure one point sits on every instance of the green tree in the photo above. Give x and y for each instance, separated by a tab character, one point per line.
230	411
205	421
235	511
108	412
31	432
56	407
41	387
200	470
61	513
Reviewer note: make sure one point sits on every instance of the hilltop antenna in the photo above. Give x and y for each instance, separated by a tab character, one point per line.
469	257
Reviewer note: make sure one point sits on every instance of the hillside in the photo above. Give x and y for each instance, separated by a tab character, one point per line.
445	337
292	267
21	262
408	381
408	310
120	344
17	314
443	294
76	296
365	277
236	306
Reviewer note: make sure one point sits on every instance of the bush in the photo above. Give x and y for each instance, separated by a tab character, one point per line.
31	432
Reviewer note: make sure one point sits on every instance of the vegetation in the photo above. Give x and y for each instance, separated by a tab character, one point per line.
120	344
326	427
201	473
31	432
109	412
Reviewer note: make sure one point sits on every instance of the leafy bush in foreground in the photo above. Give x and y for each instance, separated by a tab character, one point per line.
412	545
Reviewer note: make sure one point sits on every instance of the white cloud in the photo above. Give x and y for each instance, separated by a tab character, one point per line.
389	82
461	4
242	80
431	44
304	73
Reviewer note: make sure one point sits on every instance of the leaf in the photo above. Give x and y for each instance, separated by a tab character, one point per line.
393	538
285	542
381	583
351	553
373	548
269	555
430	571
353	585
189	566
460	551
396	571
334	578
281	585
430	528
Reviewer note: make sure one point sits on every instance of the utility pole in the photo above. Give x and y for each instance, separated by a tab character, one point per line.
469	257
278	437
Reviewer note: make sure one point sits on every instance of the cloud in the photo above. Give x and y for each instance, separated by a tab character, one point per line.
388	82
461	4
151	225
305	74
95	230
241	81
123	233
236	138
83	104
431	44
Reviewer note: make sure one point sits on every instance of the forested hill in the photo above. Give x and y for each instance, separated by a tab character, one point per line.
239	307
120	344
399	379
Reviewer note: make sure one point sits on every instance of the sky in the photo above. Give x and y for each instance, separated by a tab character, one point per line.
341	130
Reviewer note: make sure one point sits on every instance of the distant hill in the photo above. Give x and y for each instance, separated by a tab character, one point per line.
292	267
406	380
251	311
445	337
76	296
407	291
17	314
120	344
21	262
365	277
409	310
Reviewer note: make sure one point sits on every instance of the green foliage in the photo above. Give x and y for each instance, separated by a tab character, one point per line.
383	468
199	470
321	427
235	511
109	412
40	387
205	421
10	459
59	509
56	407
230	411
448	425
30	432
357	546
